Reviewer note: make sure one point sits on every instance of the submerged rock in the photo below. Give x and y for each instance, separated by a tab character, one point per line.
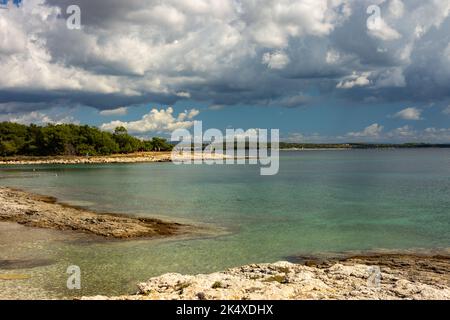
44	212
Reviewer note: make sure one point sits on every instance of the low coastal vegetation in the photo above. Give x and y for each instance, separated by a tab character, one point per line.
70	140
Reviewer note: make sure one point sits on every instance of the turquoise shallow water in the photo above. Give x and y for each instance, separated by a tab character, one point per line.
321	201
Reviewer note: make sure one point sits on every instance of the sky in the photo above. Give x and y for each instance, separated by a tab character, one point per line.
317	70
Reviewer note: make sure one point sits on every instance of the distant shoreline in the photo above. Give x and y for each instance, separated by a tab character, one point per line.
116	158
360	149
137	157
316	149
166	156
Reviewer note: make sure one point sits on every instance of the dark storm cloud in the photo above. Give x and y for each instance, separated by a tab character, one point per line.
268	52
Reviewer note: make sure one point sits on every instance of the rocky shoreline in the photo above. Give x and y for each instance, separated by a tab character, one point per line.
138	157
118	158
386	276
44	212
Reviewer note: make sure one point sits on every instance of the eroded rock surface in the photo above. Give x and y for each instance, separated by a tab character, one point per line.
43	212
283	280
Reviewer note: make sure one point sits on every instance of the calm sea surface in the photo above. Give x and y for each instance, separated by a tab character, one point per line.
321	201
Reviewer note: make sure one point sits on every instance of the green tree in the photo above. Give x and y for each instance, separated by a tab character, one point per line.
120	130
127	143
70	139
12	138
160	144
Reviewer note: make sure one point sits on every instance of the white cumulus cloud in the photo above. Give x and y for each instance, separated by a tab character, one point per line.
409	114
355	80
156	121
372	131
381	30
446	110
37	117
276	60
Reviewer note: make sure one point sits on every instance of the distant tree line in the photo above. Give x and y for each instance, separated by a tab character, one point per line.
289	145
70	139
